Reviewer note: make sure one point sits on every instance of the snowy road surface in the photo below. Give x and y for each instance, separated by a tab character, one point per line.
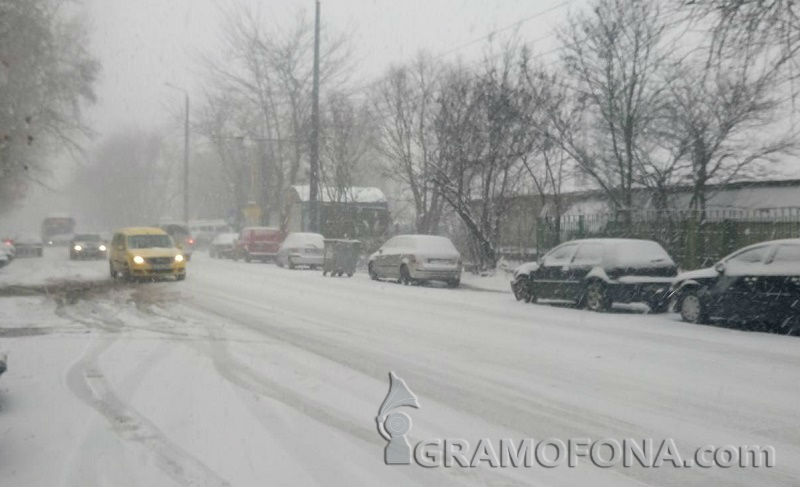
250	374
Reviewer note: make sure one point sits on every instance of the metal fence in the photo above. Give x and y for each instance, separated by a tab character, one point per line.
693	239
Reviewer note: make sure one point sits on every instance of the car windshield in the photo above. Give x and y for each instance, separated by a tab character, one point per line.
87	237
640	253
149	241
305	239
430	243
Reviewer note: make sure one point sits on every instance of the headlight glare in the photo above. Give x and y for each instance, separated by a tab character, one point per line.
179	258
138	259
102	248
77	248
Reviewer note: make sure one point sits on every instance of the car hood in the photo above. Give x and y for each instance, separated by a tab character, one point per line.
526	268
706	273
155	252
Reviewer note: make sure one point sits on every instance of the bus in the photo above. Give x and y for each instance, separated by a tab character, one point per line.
58	229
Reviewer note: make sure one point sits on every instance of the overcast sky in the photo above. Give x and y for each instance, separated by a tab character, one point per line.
143	44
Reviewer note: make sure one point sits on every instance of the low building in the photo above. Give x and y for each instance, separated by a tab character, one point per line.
355	212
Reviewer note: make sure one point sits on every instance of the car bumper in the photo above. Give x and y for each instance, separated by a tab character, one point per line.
650	291
435	274
92	254
302	259
150	271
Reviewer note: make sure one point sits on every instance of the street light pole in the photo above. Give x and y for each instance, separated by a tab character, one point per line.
313	193
185	153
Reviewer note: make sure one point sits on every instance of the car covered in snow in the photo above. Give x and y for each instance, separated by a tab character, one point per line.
259	243
87	246
28	246
5	256
223	245
181	235
416	258
758	284
301	249
594	273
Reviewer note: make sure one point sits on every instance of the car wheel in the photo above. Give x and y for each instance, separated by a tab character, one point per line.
520	290
405	276
372	274
111	271
180	277
454	283
247	257
658	306
691	307
291	264
596	297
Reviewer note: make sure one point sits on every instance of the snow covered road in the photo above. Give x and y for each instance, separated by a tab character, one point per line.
250	374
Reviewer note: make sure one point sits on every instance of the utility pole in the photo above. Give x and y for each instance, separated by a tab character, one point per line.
186	162
313	196
185	153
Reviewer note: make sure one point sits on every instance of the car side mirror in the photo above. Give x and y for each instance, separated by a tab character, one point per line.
720	267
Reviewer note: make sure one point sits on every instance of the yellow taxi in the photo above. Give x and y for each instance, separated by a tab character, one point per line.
145	252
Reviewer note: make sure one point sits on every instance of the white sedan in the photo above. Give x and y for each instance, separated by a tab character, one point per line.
414	258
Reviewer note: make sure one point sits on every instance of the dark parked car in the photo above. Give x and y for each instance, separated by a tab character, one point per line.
595	273
759	284
87	246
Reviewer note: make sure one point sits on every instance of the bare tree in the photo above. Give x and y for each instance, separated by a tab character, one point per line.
46	74
406	108
721	113
270	70
346	139
125	182
483	131
613	56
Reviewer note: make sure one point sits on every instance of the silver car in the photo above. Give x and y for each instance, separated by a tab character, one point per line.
301	249
414	258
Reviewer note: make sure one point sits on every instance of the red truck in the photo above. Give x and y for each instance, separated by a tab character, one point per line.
258	243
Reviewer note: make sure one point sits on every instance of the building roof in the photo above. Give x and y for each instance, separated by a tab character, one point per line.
354	194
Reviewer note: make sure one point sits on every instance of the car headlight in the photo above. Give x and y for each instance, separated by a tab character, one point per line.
179	258
102	248
77	248
138	259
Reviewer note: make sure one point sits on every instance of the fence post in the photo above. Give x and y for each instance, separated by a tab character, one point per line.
690	260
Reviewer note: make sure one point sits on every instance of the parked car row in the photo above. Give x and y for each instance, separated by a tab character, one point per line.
409	259
759	284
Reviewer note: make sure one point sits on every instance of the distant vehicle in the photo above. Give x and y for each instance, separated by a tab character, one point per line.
181	236
28	246
757	284
5	256
301	249
416	258
259	243
58	230
145	252
204	231
87	246
8	248
223	246
595	273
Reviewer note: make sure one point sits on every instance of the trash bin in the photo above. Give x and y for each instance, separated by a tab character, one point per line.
341	257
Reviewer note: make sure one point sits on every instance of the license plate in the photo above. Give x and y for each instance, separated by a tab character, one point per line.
161	267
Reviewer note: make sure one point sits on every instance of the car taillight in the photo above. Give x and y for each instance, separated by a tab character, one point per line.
190	241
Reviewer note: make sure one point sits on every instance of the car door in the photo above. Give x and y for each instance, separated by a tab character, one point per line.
552	274
393	257
781	283
381	257
738	291
588	256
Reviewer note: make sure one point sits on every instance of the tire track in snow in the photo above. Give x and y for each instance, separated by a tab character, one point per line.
87	382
